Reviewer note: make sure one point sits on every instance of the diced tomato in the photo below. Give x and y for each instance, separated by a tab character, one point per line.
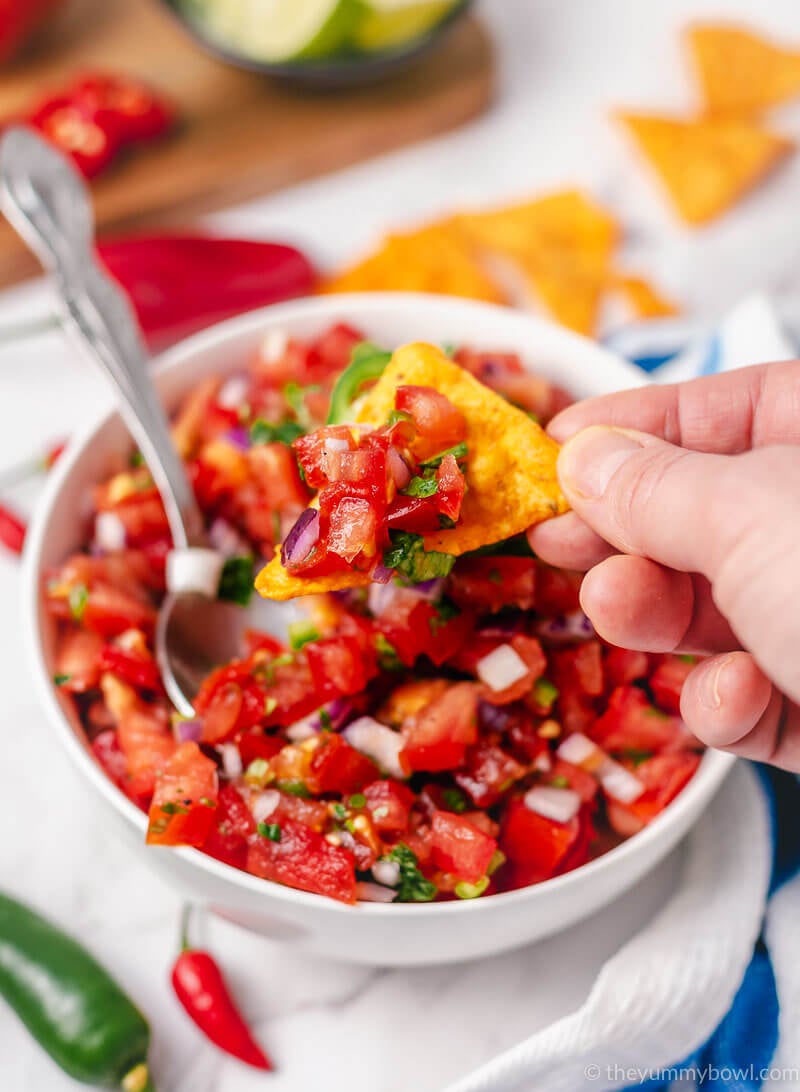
274	470
110	612
312	813
389	804
184	799
667	681
304	859
489	583
576	778
143	518
452	486
439	423
230	700
579	668
339	666
622	666
459	847
134	667
352	528
530	839
332	350
448	636
313	449
490	771
255	640
253	745
557	590
290	693
147	744
232	828
631	723
406	625
107	751
78	660
664	776
436	738
504	373
338	767
416	514
530	652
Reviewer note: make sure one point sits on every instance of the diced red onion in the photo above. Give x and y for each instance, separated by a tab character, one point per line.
374	892
194	569
381	575
560	805
338	713
264	804
501	667
302	538
566	627
493	718
226	539
381	596
233	391
304	729
429	589
109	532
238	437
398	468
231	760
188	731
543	762
581	751
619	782
378	742
339	710
273	346
386	872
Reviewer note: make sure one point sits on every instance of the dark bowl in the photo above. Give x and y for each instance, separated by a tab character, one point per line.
344	70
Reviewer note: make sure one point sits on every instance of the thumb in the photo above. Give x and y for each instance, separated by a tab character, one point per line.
733	518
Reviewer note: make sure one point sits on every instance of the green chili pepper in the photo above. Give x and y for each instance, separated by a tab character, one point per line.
70	1004
367	362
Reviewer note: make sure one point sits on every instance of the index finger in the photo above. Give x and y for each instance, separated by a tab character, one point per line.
720	414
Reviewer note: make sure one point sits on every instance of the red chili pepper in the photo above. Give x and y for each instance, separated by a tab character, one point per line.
135	111
12	530
90	141
201	989
179	284
18	21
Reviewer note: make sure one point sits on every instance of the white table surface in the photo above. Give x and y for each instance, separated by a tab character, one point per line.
329	1025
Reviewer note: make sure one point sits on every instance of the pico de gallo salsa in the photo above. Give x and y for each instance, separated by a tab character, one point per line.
438	736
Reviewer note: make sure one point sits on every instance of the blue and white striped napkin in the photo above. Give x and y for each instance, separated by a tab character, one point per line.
707	995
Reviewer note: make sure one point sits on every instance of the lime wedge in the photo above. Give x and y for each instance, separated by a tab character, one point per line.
276	31
390	24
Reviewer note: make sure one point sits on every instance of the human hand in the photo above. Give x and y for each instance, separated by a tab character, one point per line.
686	519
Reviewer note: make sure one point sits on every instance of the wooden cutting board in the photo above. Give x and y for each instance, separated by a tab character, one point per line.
241	134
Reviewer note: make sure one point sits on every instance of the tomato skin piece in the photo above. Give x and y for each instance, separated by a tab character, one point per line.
304	860
312	454
489	583
459	847
452	487
253	745
439	423
663	776
338	767
667	681
531	840
631	723
139	670
389	804
489	773
416	514
232	828
437	737
188	785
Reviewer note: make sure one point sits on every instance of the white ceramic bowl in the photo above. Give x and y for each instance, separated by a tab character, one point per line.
368	933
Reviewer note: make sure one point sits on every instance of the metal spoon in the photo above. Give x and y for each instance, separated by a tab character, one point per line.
47	202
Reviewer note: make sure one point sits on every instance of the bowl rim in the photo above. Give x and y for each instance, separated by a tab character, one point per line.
713	768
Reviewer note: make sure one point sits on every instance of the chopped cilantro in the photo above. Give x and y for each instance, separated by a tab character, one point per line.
339	811
172	807
455	800
465	890
59	680
413	887
269	830
78	598
560	782
262	432
449	348
300	633
135	459
236	582
421	487
445	522
458	452
325	722
270	705
357	800
294	788
408	555
544	693
258	772
295	396
445	611
387	654
277	529
687	659
207	802
498	859
636	756
268	670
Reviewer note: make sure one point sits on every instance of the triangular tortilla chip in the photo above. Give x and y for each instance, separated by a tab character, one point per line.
569	285
644	300
706	164
511	466
741	72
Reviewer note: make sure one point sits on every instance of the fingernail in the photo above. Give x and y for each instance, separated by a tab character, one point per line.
710	690
590	459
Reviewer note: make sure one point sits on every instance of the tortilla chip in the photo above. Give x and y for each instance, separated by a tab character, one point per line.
740	72
570	287
706	164
437	258
644	300
511	467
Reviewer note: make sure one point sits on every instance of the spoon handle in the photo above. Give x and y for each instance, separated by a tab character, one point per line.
48	204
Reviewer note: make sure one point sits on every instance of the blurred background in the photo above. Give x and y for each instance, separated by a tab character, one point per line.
394	145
